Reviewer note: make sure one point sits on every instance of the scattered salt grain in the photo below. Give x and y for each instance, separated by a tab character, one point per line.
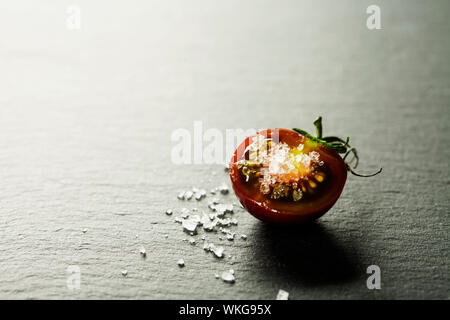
180	196
224	230
188	195
209	226
228	277
212	206
224	189
223	209
178	219
185	212
198	197
218	251
190	225
224	222
282	295
199	194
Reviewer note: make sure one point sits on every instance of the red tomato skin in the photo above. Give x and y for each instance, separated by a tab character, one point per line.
264	212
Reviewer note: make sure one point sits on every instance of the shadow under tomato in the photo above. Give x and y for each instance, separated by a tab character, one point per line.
307	254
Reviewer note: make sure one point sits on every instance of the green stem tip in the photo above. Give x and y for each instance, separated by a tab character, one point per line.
318	125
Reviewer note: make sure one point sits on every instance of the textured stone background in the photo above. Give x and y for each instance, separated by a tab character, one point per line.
85	124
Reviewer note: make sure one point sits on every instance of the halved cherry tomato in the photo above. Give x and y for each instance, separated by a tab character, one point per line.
319	189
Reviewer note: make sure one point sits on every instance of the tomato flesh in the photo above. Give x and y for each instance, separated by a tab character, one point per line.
321	189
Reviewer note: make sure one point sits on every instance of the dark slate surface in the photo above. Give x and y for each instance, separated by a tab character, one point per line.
85	124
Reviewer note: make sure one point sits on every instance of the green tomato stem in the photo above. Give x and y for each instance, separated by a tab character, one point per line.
337	144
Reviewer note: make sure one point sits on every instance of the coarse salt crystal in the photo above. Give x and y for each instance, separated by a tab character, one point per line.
227	276
180	263
282	295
